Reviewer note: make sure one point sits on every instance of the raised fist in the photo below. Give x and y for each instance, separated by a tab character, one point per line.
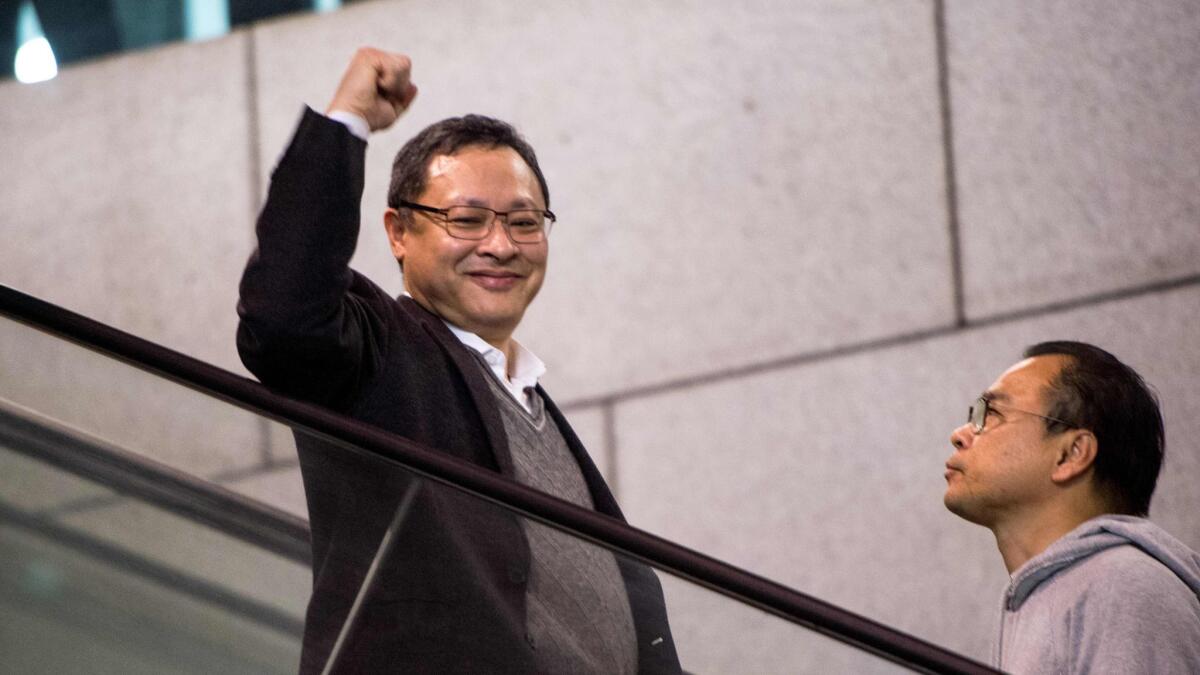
376	86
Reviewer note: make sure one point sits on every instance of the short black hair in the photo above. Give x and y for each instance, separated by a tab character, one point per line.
1095	391
411	166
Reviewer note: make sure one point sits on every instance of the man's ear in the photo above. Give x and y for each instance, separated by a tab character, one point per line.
1076	455
396	228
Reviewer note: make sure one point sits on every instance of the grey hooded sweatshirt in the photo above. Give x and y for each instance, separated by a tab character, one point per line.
1115	595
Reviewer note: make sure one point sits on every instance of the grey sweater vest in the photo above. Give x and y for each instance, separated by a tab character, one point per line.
577	611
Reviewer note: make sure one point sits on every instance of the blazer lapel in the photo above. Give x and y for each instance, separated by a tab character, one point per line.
469	370
602	497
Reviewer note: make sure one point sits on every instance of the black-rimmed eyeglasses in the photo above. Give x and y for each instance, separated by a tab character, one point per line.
977	414
473	223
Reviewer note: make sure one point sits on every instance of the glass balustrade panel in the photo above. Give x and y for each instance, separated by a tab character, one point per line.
138	587
95	577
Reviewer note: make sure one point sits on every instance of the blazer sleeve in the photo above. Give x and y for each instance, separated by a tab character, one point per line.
309	325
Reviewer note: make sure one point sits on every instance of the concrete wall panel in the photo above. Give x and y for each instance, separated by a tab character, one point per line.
776	167
1077	138
714	634
126	189
591	425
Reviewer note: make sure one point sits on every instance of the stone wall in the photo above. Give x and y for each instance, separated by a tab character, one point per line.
796	239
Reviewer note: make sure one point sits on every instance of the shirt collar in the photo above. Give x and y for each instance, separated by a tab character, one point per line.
526	369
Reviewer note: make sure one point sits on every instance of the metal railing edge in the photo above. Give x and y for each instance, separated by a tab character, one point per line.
813	613
178	492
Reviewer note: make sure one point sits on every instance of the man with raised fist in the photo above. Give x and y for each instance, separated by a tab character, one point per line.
467	586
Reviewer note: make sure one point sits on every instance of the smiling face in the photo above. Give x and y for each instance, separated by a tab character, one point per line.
481	286
1005	470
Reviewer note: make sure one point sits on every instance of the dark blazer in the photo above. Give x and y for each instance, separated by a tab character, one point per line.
451	597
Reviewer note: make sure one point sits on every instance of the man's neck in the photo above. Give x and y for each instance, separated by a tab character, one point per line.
504	343
1021	538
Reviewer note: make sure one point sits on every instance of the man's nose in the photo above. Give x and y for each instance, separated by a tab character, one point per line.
963	436
498	242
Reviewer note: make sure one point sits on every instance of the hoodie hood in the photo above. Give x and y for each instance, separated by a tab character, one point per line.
1098	534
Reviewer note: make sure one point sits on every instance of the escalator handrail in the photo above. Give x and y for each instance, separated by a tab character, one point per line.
751	589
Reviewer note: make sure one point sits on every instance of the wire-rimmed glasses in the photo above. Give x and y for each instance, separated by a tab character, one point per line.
473	223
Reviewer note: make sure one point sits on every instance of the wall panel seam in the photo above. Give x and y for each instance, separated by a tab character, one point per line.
254	157
878	344
607	416
951	176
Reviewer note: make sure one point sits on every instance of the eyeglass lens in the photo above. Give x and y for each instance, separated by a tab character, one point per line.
472	222
977	414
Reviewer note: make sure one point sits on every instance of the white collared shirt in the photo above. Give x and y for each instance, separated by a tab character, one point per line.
355	123
526	367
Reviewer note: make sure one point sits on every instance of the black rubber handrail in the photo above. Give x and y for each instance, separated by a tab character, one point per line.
815	614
